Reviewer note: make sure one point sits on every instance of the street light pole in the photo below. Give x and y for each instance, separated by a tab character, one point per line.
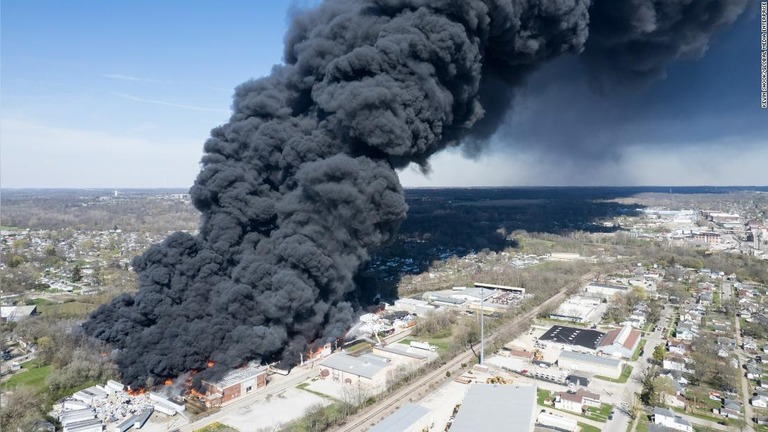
482	327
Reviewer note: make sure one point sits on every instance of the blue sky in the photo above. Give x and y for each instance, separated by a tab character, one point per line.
123	94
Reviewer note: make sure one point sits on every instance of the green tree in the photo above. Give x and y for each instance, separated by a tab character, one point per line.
77	273
661	388
20	409
658	353
46	349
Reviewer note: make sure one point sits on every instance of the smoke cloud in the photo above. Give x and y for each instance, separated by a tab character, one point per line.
299	187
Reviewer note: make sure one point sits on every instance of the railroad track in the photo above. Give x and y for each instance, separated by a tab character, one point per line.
364	420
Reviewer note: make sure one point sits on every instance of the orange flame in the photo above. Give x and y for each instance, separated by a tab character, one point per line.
211	363
314	353
168	382
137	392
193	392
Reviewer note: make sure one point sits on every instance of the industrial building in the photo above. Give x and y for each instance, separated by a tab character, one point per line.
573	337
17	313
418	307
458	296
604	366
490	299
605	291
409	418
620	342
236	383
517	290
557	422
576	309
403	354
490	407
367	369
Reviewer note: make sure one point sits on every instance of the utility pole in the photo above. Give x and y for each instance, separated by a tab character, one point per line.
482	327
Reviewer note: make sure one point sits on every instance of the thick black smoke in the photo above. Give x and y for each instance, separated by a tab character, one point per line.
299	187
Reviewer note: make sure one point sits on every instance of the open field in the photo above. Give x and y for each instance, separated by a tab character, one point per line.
32	375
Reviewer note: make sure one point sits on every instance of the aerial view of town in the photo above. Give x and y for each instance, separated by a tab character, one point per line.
384	215
652	315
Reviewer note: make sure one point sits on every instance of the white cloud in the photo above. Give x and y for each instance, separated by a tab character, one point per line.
134	78
168	104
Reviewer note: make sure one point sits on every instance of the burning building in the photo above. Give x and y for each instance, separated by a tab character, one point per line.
234	384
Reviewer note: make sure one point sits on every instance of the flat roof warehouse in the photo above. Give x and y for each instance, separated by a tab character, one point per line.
586	338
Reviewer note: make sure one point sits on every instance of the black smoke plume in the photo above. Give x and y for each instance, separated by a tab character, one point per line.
299	188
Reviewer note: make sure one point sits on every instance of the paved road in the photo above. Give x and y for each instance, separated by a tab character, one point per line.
619	423
749	413
620	393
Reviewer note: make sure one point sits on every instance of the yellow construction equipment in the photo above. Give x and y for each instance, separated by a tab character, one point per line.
497	380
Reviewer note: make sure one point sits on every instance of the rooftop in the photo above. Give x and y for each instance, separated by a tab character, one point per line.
489	407
402	419
573	336
366	365
625	336
239	375
613	287
574	356
14	313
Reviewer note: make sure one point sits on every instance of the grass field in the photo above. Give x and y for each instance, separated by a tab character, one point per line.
358	347
32	375
643	424
599	414
440	343
541	394
67	310
217	427
41	302
588	428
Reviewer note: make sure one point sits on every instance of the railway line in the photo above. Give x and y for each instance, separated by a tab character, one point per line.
416	390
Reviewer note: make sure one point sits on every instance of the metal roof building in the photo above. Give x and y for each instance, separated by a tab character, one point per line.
369	369
17	313
605	366
409	418
366	365
574	336
620	342
500	408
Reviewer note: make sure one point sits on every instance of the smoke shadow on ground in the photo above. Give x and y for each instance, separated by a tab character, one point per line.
448	222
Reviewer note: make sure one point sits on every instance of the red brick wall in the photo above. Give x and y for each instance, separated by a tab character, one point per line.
230	393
